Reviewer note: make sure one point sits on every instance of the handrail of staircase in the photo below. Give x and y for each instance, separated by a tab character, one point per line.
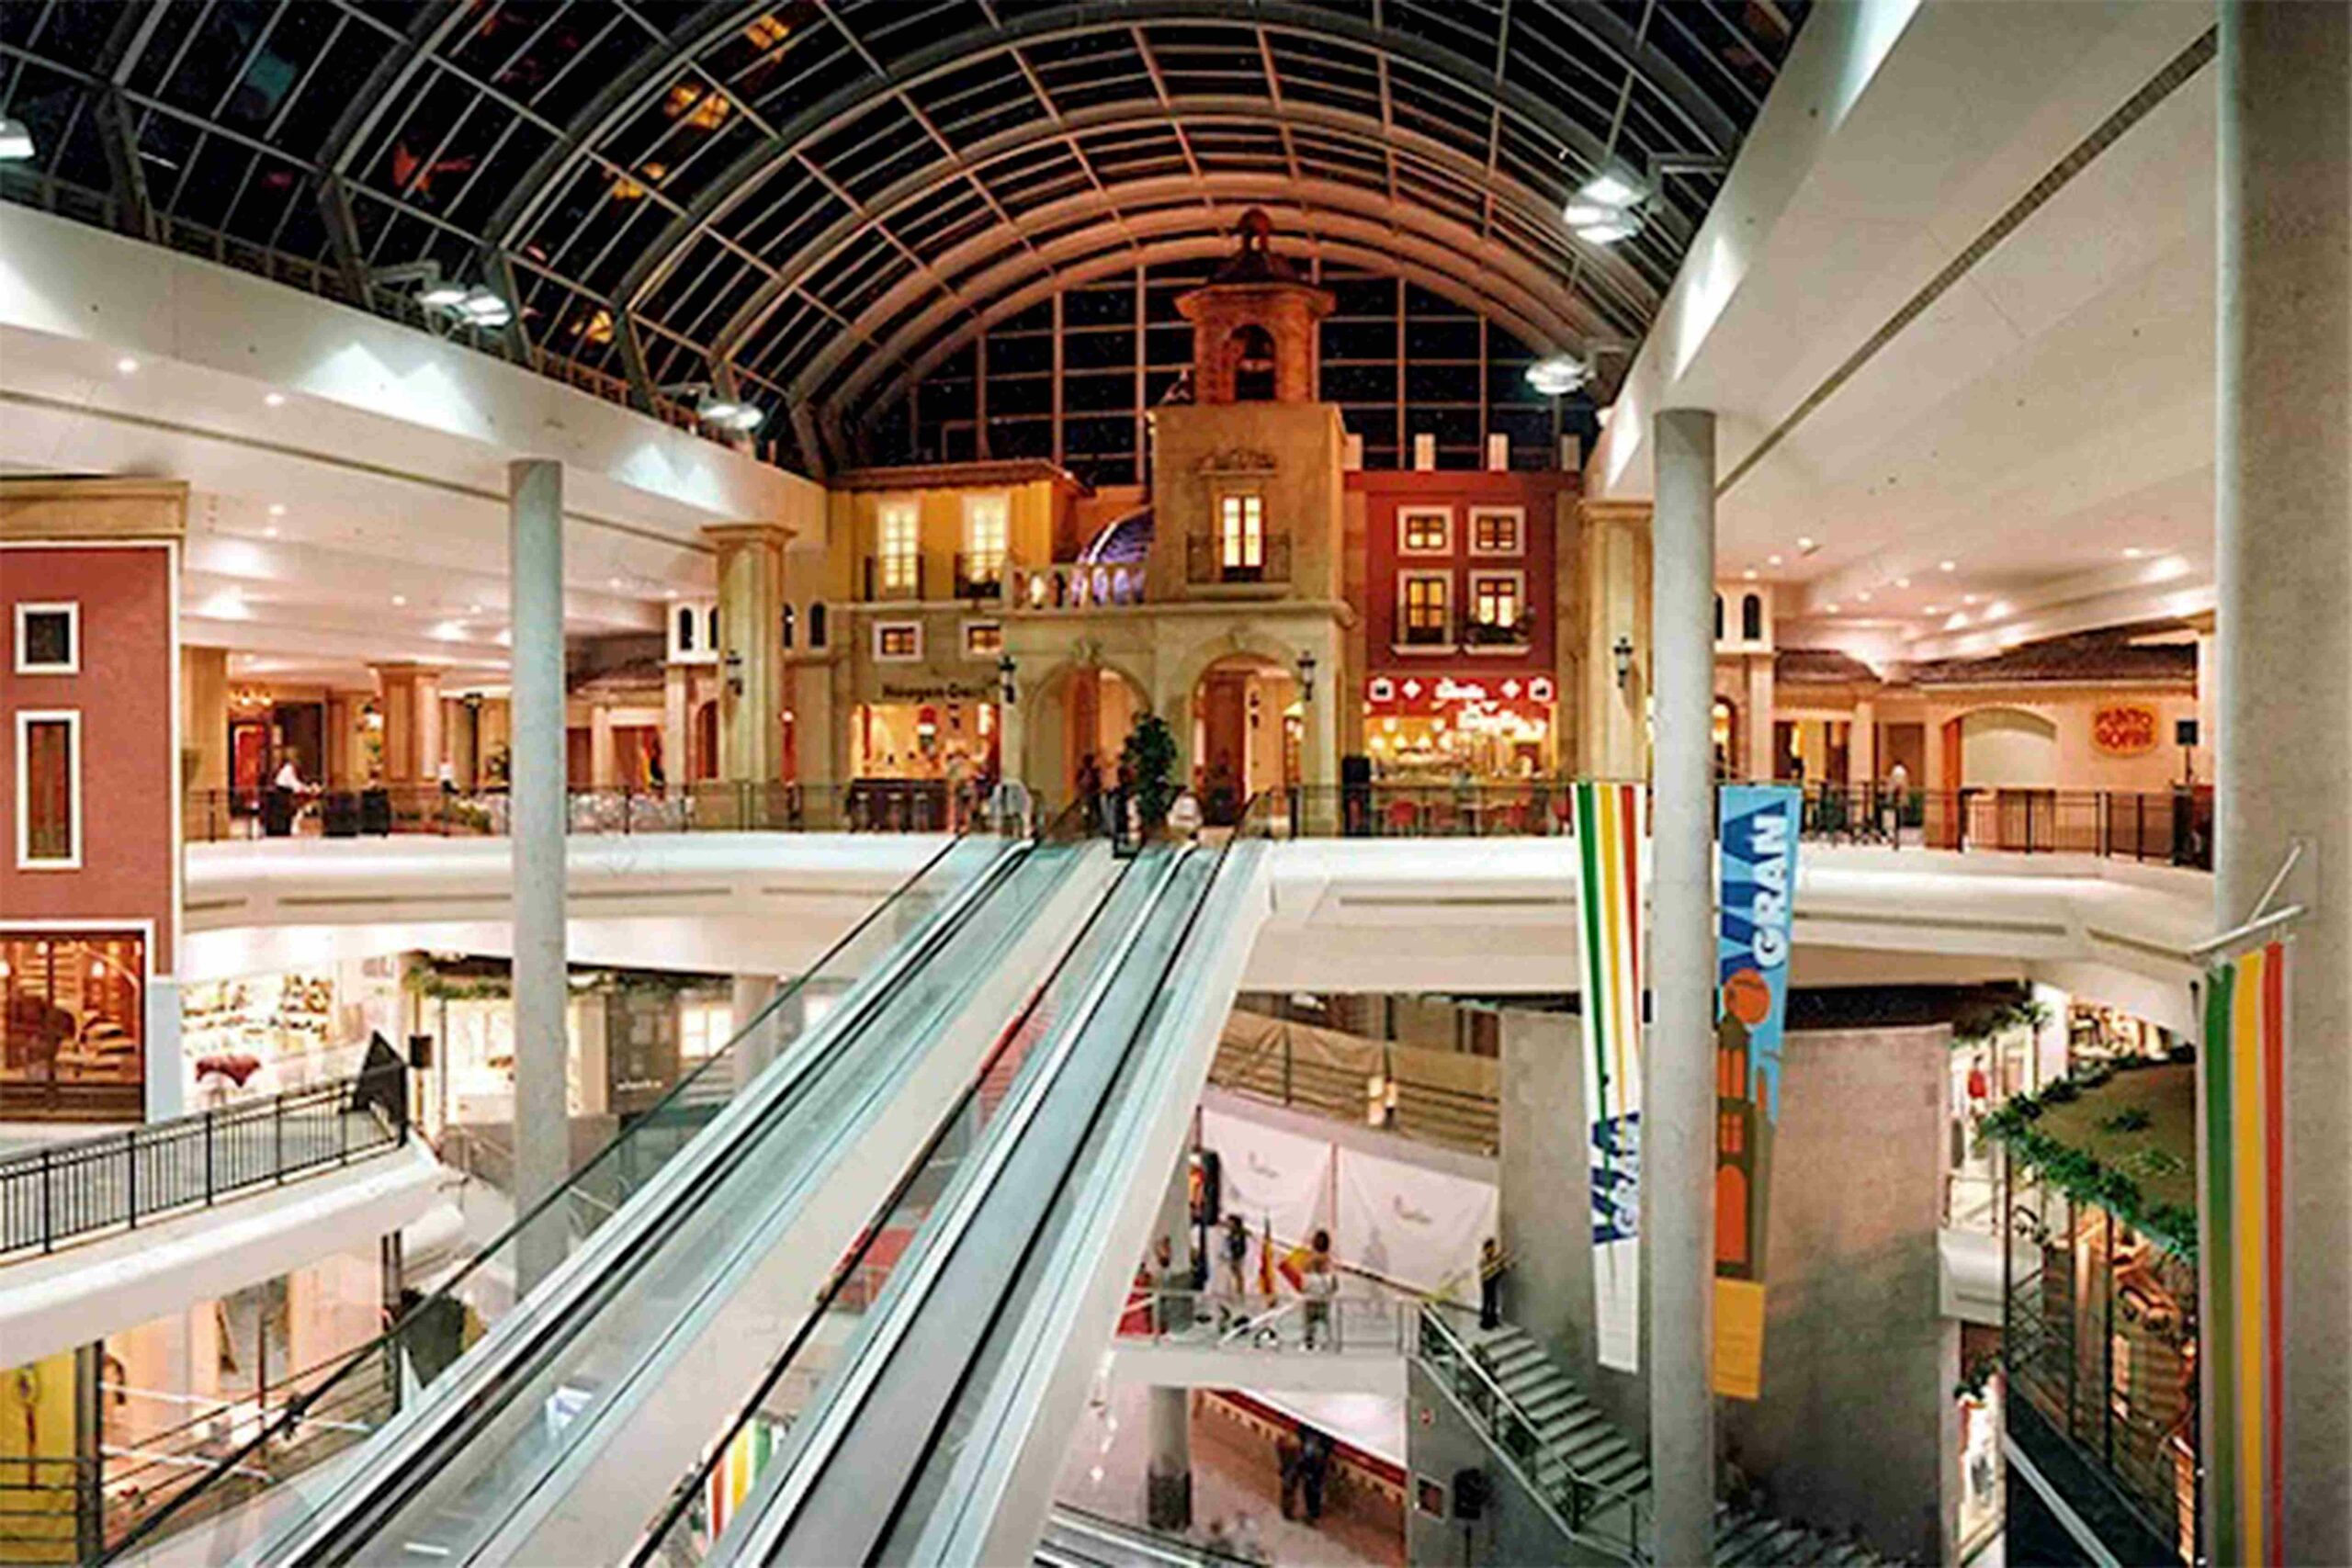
1583	1491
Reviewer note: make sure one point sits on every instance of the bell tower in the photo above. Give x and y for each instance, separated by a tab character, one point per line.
1255	324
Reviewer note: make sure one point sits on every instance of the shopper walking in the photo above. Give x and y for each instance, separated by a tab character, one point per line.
1490	1284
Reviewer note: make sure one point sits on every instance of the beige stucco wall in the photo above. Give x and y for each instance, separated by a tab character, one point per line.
1289	452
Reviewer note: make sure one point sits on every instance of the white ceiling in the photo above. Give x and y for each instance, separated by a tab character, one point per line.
2045	424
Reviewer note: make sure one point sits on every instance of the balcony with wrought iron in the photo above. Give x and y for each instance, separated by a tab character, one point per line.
979	574
896	578
1213	562
1499	637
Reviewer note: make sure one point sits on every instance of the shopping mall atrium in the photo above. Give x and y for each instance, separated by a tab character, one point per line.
1174	782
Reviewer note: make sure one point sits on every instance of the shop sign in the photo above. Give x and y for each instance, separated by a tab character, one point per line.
938	691
1445	691
1757	830
2124	729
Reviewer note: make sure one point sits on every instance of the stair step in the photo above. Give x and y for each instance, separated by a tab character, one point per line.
1735	1547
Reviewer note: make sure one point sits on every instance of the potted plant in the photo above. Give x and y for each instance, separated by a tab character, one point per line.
1150	756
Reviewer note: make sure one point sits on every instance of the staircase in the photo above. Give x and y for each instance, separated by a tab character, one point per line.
1594	1481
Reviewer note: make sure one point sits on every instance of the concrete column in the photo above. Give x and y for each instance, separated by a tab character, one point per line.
410	696
542	1124
751	995
1861	745
1168	1480
604	770
1679	1058
203	721
1612	729
1759	718
345	767
2209	714
2283	545
751	632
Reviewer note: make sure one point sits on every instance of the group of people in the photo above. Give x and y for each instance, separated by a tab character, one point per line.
1316	1279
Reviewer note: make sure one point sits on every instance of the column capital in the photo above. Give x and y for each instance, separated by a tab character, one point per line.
1601	510
734	535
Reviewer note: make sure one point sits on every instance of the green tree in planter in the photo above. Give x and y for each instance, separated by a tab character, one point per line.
1150	756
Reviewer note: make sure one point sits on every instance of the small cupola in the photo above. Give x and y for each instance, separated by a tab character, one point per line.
1256	322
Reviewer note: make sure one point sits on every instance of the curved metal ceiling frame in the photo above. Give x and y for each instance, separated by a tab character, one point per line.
878	213
1513	290
1086	17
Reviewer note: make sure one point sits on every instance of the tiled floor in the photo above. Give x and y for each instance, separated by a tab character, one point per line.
1234	1481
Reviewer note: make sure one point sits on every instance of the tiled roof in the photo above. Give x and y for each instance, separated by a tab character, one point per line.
2067	659
1819	667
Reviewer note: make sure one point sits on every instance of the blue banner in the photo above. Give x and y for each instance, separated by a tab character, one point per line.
1758	834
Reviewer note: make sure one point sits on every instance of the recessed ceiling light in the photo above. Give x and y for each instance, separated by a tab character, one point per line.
1947	566
1935	609
269	533
1829	609
1968	598
278	509
275	399
1805	543
1749	575
400	599
1772	561
669	593
613	581
126	365
1903	582
2133	552
1864	597
473	609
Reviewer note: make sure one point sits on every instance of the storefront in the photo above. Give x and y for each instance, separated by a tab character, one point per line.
73	1040
261	1035
923	748
1426	728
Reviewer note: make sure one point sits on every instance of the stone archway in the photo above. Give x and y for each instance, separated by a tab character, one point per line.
1075	710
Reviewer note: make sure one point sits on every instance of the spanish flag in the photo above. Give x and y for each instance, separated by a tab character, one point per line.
1266	1261
1294	1265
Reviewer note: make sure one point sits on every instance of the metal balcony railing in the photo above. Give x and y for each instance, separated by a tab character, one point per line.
890	579
979	575
1212	561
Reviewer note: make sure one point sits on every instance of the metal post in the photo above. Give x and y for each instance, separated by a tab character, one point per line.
207	1156
1678	1061
131	1180
278	1137
47	1239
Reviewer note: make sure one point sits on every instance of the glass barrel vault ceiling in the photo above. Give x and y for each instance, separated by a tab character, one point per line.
827	202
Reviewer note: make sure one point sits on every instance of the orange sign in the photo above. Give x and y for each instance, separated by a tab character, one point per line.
2124	729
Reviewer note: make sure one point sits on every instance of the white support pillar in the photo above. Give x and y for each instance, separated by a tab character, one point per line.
1679	1058
542	1121
2283	546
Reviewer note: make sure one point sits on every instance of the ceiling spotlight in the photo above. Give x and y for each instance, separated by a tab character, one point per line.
275	399
1903	582
1864	597
1807	546
443	295
1935	609
727	413
1611	187
400	600
126	365
1829	609
269	533
1610	230
1749	575
2133	552
484	309
473	609
16	142
278	509
1947	566
1772	561
612	582
669	593
1557	375
1968	598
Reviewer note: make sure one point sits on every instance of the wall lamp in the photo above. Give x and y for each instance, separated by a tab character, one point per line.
1305	676
1008	689
1625	655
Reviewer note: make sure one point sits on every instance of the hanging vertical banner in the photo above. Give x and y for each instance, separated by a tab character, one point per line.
1758	833
2246	1039
1608	911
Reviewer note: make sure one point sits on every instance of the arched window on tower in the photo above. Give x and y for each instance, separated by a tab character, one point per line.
1752	617
816	625
788	628
1719	618
1252	348
686	629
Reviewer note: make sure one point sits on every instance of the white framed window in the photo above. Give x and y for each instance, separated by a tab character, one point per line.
1425	608
897	642
1498	530
1241	530
987	522
49	638
897	550
1498	603
983	639
48	789
703	1027
1425	530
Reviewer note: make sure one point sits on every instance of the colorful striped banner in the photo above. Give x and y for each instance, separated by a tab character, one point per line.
2246	1037
738	1471
1609	909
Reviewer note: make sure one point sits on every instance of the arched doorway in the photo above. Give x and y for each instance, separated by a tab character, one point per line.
2002	764
706	741
1080	710
1248	726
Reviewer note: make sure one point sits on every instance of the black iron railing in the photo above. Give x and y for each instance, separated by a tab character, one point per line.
979	574
892	578
866	806
1209	561
78	1190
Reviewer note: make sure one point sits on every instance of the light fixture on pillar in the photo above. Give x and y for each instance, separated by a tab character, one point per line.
734	672
1008	689
1305	676
1624	652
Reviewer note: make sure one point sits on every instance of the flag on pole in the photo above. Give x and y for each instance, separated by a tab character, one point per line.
1266	1260
1608	919
2246	1036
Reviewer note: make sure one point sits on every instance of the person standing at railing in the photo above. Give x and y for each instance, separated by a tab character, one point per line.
1320	1283
1491	1268
1233	1254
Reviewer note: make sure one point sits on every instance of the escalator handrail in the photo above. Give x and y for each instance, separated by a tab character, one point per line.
421	1434
290	1414
944	1233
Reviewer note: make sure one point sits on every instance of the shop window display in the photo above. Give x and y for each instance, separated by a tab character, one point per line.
74	1033
261	1035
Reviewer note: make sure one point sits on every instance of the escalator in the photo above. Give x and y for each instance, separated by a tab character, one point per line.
921	1418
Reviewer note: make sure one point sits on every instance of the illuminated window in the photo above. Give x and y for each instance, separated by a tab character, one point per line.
1425	613
985	519
900	549
49	639
898	640
983	639
1495	531
1496	604
703	1027
48	789
1425	530
1241	532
